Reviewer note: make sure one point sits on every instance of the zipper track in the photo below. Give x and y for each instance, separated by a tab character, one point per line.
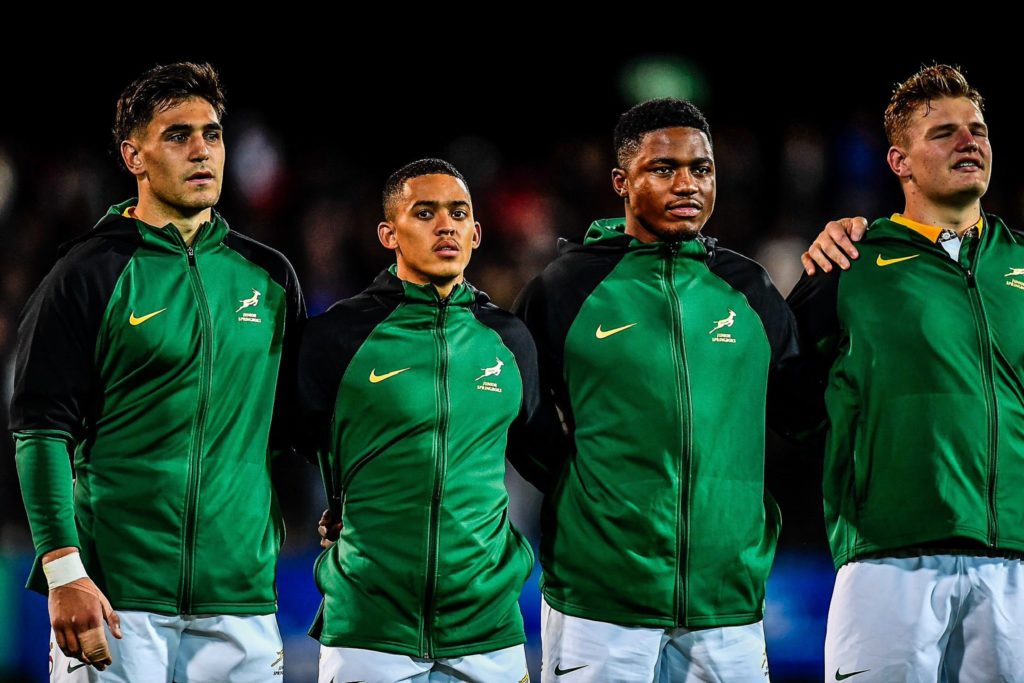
198	429
992	414
442	406
685	419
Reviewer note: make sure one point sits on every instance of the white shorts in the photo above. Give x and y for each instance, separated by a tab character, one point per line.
159	648
930	618
342	664
578	650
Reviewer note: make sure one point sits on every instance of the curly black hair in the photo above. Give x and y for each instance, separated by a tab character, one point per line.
651	115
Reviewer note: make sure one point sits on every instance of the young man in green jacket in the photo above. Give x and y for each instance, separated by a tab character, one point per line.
919	351
150	356
658	346
414	391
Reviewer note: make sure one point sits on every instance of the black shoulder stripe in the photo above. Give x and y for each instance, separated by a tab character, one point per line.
511	330
550	302
329	343
750	279
284	425
55	377
267	258
536	441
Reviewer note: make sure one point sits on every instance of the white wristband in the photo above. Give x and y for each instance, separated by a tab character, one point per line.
64	570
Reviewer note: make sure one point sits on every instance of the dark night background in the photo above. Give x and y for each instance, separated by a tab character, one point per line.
311	136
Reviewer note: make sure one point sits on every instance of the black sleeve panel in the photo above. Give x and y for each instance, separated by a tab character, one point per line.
789	382
814	303
750	279
284	433
55	373
550	303
536	440
328	344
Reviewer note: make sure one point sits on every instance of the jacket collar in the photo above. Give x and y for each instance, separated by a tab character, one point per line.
167	237
388	285
609	235
929	232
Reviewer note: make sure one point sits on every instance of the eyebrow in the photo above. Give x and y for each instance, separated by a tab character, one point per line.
672	161
184	127
945	127
433	203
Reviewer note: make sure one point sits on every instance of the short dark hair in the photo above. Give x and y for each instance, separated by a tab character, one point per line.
394	184
161	88
666	112
929	83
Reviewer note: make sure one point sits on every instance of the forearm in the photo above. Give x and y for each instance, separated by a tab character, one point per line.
44	470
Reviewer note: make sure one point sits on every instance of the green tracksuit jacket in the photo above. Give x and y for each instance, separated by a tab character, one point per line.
414	401
921	363
155	365
659	357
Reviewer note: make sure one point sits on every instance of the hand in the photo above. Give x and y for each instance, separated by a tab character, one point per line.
833	241
77	612
329	529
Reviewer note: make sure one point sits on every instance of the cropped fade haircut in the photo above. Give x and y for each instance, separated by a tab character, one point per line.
161	88
930	83
651	115
394	184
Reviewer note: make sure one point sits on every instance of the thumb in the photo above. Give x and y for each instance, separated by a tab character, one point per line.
860	226
113	621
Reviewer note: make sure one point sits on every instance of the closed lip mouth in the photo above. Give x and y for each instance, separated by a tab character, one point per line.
201	175
686	204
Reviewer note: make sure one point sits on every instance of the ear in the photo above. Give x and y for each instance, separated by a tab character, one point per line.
620	182
387	236
477	235
898	162
132	157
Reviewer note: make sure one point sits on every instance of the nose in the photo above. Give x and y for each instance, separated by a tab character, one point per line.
966	141
684	182
444	225
200	150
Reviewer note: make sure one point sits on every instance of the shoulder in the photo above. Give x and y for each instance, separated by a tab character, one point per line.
567	281
578	264
94	260
741	272
347	318
499	319
269	259
1016	234
513	331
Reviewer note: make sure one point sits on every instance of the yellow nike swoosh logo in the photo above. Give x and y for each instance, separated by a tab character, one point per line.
889	261
601	334
374	377
132	320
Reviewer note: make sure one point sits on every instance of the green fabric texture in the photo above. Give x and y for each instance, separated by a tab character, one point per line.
44	471
418	447
187	363
925	394
668	475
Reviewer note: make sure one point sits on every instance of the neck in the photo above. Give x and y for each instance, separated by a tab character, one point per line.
956	218
637	231
158	215
444	286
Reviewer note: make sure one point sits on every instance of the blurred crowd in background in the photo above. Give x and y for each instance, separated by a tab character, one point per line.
308	152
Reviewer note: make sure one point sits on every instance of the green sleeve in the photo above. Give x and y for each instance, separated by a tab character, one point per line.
44	469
